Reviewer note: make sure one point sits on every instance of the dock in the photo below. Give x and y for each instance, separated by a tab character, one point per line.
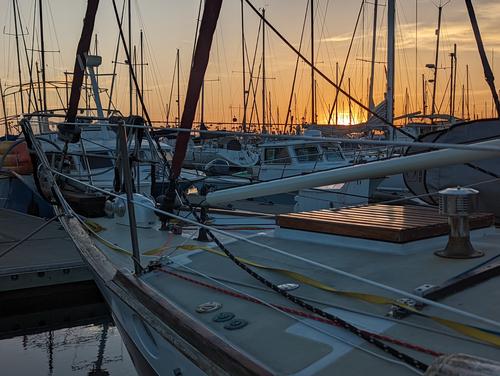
48	258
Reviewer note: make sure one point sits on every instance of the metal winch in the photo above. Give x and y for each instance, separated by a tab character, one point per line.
458	204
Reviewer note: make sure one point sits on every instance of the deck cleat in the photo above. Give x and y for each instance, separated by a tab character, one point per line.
398	312
223	317
208	307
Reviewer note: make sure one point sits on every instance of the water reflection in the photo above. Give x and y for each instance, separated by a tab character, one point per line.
72	346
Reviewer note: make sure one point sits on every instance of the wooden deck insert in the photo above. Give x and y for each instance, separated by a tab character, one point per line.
391	223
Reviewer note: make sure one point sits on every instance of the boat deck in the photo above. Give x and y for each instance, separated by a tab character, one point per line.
289	344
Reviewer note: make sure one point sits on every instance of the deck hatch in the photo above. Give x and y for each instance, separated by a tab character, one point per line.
390	223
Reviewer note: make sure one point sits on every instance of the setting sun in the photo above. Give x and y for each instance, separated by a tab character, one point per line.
343	119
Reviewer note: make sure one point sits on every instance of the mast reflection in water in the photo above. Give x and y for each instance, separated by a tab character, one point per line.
60	331
84	350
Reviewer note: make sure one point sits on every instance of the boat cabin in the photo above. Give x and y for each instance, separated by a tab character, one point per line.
296	157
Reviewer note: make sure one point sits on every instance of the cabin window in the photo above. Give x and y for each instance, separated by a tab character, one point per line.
332	152
307	153
277	156
234	145
98	160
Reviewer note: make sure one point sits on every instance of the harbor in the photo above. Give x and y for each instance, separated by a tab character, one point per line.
250	188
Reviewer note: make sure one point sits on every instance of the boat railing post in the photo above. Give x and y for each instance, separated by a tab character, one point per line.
202	231
127	183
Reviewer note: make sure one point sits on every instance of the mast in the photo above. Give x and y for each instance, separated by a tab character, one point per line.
453	80
463	102
130	63
142	65
436	60
416	50
202	115
263	68
349	100
178	90
488	73
39	85
313	84
18	57
80	63
371	103
42	54
4	108
198	68
134	64
96	51
244	121
424	96
391	10
452	67
467	90
337	87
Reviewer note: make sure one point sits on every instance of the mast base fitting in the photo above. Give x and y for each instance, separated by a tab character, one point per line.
69	133
459	248
445	254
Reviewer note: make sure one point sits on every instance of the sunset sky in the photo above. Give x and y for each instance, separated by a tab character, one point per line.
169	25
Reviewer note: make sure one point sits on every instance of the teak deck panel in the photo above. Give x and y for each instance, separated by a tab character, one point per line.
397	224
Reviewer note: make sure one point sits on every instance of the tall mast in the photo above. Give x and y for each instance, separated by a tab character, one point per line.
39	85
263	68
313	84
202	115
453	79
416	50
42	53
463	102
197	73
371	103
349	100
134	63
130	63
178	90
391	25
424	96
244	121
436	60
142	65
18	57
79	70
337	86
467	90
4	108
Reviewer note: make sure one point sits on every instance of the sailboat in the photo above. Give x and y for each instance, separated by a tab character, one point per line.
372	290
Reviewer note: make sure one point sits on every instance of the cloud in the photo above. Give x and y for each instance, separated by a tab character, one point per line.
341	38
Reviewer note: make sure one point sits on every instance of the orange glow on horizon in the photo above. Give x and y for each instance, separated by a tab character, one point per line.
343	119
